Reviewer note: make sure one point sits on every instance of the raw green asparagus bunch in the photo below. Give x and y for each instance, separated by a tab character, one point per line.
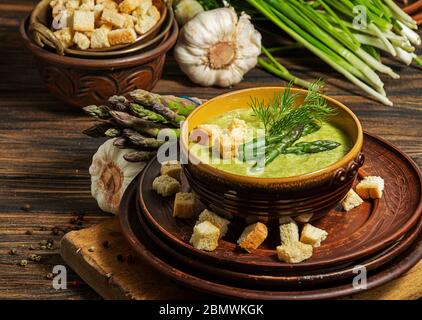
135	121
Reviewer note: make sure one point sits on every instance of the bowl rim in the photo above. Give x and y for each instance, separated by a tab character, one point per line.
243	179
99	63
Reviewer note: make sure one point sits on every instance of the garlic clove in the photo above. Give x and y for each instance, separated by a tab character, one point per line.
196	74
248	40
228	77
223	23
242	66
191	55
186	10
248	51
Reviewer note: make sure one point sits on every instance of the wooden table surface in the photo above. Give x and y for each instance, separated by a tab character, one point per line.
44	158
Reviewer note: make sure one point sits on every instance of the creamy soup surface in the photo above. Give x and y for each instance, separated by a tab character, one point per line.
285	165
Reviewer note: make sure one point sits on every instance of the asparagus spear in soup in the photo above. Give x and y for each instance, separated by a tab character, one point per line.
312	147
278	149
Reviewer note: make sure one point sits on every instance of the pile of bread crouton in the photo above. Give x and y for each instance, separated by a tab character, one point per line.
296	243
98	24
225	141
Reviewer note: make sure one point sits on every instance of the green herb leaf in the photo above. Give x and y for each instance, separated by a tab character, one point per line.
283	113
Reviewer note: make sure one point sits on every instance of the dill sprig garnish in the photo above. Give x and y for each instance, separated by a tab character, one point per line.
281	114
286	119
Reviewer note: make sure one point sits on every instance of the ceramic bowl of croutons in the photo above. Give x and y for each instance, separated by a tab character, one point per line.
83	81
271	152
98	28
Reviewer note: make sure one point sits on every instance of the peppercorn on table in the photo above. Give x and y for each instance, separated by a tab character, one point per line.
44	158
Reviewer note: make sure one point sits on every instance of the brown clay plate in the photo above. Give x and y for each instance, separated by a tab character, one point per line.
354	235
310	278
162	262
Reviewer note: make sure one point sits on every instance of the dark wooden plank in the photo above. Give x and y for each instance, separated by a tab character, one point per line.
30	282
44	158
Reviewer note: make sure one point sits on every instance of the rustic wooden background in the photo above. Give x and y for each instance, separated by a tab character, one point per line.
44	159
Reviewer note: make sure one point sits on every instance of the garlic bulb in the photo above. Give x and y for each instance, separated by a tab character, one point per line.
217	48
110	175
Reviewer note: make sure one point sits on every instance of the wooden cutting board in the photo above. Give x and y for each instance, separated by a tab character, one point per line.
101	257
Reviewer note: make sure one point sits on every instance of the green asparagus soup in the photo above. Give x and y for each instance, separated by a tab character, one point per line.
285	165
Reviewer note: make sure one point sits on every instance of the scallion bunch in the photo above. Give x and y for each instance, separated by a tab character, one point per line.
326	28
337	32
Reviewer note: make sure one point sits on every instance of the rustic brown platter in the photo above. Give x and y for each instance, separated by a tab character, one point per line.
146	249
354	235
311	278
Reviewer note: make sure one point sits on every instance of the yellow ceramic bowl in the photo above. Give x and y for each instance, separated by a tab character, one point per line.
232	194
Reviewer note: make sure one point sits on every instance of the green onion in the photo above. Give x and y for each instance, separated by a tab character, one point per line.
339	21
327	29
333	60
285	48
417	60
401	15
278	69
301	19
